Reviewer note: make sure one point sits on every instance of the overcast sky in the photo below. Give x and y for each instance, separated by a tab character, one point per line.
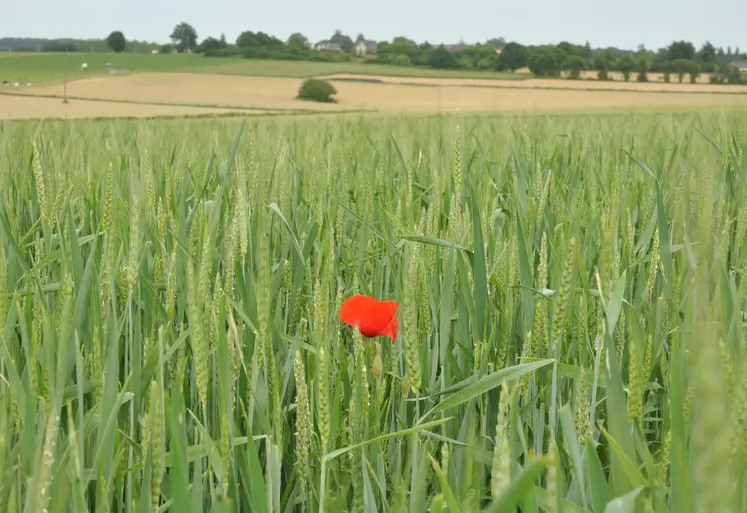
624	24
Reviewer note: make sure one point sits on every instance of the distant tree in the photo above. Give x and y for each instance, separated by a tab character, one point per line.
603	75
679	68
681	50
167	48
567	48
441	58
586	52
626	65
184	37
643	65
477	53
693	69
604	61
317	90
344	41
496	43
707	52
513	57
682	67
666	69
211	44
401	40
574	64
249	39
59	46
401	60
727	73
116	41
298	42
546	61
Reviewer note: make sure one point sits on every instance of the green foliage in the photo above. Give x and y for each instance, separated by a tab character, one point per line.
680	50
603	74
682	67
60	46
574	64
317	90
214	47
643	65
707	52
184	37
298	42
546	61
345	42
626	65
513	57
116	41
726	73
441	58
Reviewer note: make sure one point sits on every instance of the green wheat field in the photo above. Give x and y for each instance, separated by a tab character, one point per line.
572	313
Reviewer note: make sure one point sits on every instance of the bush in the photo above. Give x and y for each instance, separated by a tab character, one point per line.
603	75
317	90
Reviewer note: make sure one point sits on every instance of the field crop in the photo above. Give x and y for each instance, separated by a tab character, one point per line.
571	314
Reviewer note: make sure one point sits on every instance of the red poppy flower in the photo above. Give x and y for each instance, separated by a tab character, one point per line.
374	318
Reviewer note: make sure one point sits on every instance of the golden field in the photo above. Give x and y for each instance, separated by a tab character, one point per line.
157	93
554	83
18	107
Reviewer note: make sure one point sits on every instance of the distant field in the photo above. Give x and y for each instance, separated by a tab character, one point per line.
279	93
48	67
14	107
548	83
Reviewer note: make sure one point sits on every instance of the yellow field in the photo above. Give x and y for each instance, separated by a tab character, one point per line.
17	107
190	94
553	83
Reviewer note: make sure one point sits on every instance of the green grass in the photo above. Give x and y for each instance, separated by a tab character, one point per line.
48	67
571	314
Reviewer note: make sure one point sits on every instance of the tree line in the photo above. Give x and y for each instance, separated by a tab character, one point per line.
677	61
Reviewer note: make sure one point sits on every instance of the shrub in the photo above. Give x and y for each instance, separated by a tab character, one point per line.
317	90
603	75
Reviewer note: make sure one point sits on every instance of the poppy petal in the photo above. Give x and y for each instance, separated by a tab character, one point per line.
392	329
372	316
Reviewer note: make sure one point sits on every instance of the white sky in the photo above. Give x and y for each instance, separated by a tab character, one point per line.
654	23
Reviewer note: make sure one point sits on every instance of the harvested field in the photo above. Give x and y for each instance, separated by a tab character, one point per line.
550	83
187	88
279	93
19	107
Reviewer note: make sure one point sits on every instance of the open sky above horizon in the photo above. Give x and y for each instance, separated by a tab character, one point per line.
603	23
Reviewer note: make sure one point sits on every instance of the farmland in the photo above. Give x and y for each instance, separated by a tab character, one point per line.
570	292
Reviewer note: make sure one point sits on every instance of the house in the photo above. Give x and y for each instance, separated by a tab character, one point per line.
740	65
364	46
327	46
